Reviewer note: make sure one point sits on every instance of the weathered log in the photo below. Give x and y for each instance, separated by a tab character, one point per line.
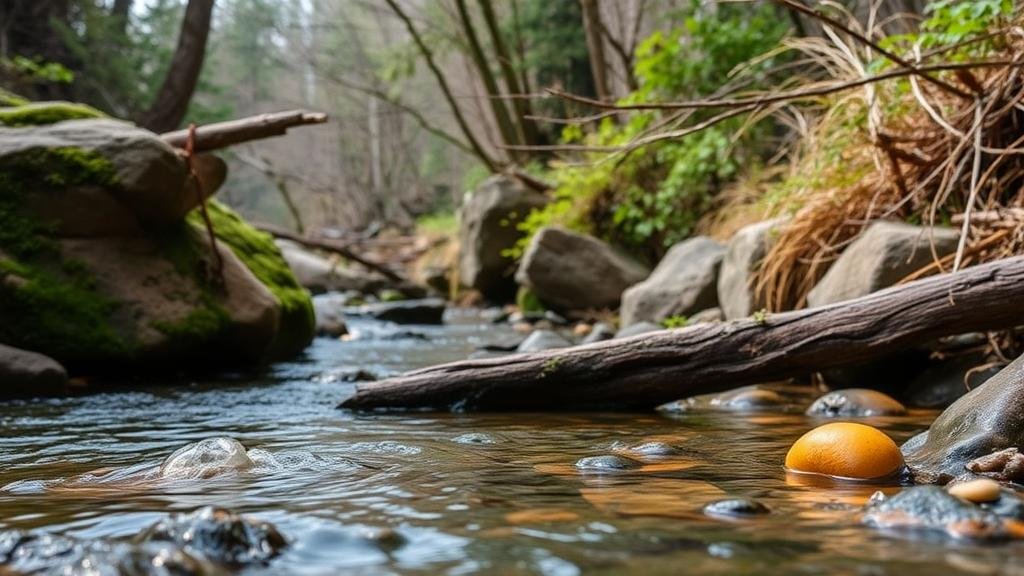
650	369
224	134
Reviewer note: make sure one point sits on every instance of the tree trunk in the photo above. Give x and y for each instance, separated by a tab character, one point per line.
526	126
171	103
595	45
650	369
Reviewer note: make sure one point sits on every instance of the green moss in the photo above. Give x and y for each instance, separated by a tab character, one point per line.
259	253
8	98
528	302
204	324
389	295
48	303
39	113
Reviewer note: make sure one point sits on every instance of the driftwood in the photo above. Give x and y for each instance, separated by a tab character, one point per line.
650	369
224	134
341	248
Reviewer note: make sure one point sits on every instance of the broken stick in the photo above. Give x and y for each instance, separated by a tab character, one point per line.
650	369
224	134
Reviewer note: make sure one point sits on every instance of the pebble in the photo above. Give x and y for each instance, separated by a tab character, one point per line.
977	491
736	507
608	462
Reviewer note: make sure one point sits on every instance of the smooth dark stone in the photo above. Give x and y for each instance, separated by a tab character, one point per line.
736	507
932	509
218	535
609	462
424	311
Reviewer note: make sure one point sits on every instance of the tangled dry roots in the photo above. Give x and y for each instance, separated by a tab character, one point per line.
932	155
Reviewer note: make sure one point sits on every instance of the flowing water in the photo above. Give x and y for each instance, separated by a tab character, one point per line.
440	493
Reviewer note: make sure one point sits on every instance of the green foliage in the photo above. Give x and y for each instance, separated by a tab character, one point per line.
259	253
675	322
650	198
35	114
8	99
37	70
528	302
953	21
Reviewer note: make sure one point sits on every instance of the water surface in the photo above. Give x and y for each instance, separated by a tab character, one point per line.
438	493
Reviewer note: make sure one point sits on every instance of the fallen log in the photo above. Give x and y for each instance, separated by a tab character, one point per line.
224	134
650	369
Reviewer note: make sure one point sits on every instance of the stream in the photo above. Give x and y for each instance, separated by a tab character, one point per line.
440	493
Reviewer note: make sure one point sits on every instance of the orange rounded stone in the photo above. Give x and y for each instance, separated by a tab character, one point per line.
846	450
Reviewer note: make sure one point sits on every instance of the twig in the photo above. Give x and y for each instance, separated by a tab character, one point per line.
189	152
331	246
975	174
223	134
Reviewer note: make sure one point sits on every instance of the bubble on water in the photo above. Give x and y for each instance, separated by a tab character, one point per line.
386	447
207	458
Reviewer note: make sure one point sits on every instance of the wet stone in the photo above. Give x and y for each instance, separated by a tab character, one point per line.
977	490
218	535
37	553
1006	465
609	463
932	509
206	458
653	449
754	398
855	403
474	438
736	508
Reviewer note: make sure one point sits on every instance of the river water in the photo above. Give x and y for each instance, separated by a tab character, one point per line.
439	493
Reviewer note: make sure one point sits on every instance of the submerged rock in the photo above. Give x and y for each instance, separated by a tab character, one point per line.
487	228
540	340
218	535
736	508
38	553
606	463
26	374
743	256
755	398
571	271
423	311
988	419
684	282
206	458
855	403
932	509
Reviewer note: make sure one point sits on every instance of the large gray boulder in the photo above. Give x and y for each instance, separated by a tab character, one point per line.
570	271
149	174
487	228
683	283
885	253
988	419
27	374
743	256
106	266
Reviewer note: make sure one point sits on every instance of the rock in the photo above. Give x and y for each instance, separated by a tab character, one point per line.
845	450
319	275
570	271
206	458
942	382
855	403
543	340
150	175
709	315
599	332
487	228
37	553
109	269
1006	465
743	255
976	491
26	374
638	328
607	463
985	420
652	449
218	535
753	398
424	311
211	172
932	509
736	508
885	253
684	282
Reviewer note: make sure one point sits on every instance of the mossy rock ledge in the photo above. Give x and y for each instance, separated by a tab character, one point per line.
106	266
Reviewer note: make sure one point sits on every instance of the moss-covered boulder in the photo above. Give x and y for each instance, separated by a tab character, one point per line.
103	268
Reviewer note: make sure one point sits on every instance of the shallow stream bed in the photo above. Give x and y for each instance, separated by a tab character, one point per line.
437	493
